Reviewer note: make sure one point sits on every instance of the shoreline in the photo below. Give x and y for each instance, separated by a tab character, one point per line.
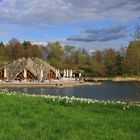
126	79
93	81
114	79
48	85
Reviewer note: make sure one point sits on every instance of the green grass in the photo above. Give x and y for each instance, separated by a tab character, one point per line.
36	118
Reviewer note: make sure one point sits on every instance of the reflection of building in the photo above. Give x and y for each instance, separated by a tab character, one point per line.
27	69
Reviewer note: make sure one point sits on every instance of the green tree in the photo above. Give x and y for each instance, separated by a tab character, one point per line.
120	68
110	57
56	55
55	51
133	58
69	57
4	58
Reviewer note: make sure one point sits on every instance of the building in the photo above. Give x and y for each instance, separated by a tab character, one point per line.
27	70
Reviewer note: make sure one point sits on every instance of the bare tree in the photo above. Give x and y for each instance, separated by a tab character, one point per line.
137	31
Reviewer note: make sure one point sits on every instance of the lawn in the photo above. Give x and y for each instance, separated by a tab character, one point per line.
37	118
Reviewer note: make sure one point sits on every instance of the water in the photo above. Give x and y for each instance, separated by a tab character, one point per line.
107	91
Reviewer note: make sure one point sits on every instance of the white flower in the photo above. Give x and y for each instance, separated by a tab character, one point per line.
124	108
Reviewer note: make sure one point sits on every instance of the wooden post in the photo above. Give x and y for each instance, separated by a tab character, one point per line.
70	73
67	73
49	75
5	74
56	73
41	75
64	75
25	74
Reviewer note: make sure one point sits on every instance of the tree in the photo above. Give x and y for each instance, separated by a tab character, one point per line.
68	51
25	44
31	51
120	69
133	58
4	58
110	57
69	57
137	32
36	51
15	49
2	44
55	51
55	54
96	64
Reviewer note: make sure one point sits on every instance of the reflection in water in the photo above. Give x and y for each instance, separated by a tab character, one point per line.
138	86
42	90
25	90
106	91
137	92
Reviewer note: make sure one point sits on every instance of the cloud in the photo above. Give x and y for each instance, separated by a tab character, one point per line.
62	11
100	35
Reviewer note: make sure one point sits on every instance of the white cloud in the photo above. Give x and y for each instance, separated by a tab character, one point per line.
61	11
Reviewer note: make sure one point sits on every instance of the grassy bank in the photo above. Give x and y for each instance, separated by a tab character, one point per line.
25	117
117	79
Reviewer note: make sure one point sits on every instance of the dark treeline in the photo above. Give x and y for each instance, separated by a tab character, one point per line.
108	62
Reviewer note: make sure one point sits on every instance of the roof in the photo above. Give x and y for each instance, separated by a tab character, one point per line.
34	65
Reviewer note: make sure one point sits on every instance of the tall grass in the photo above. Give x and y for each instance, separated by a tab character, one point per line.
36	118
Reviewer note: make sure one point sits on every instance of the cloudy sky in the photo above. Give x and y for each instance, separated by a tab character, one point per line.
91	24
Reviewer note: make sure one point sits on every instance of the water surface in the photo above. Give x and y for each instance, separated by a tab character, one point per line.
107	91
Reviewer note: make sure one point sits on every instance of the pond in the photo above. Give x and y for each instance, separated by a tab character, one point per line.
125	91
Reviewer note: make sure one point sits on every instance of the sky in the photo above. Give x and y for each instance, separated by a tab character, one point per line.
89	24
